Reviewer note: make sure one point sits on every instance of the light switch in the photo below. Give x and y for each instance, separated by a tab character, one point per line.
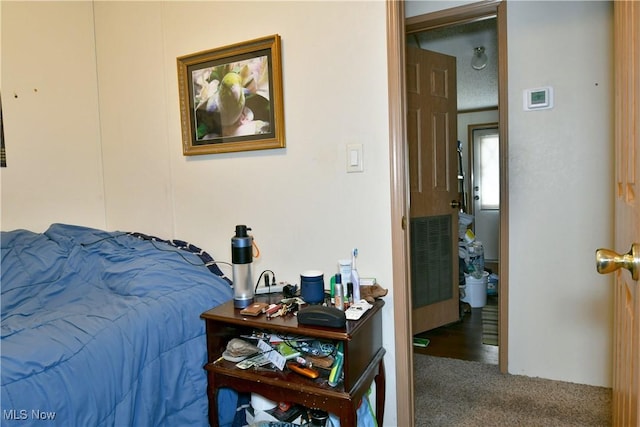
354	158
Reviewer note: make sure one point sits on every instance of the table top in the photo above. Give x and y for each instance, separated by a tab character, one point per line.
227	313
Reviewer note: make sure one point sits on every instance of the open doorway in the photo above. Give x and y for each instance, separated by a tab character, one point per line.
473	335
397	28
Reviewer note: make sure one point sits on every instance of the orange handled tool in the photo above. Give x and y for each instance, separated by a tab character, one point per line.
302	370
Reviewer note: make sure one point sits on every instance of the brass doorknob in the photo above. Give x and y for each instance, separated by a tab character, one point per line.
455	204
608	261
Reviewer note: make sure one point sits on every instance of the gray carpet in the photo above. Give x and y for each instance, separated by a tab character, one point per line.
450	392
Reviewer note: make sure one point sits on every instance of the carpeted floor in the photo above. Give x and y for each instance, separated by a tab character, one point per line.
457	393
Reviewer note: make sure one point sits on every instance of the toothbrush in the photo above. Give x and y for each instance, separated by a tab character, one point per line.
355	277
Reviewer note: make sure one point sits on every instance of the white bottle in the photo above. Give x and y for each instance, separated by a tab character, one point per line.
344	266
355	277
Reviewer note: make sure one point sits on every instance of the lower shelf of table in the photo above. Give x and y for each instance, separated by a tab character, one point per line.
291	387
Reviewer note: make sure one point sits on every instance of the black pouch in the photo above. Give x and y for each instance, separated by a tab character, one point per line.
319	315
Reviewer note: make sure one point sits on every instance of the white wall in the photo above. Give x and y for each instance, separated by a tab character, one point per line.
300	201
560	180
134	77
560	190
50	113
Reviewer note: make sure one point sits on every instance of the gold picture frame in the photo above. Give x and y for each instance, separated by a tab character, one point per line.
231	98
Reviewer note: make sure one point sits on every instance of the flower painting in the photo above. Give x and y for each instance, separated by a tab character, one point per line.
231	98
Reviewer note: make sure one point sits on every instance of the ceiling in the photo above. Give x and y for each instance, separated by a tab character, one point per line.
477	89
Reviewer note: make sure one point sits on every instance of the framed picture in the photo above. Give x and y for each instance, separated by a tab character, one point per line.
231	98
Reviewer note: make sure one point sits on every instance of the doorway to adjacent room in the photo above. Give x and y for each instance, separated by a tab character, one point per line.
462	34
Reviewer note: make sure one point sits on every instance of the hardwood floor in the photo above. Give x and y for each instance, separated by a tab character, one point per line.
461	340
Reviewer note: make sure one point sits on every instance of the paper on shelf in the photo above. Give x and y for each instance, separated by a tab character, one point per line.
273	356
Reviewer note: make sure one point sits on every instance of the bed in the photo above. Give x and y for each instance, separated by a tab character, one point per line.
103	329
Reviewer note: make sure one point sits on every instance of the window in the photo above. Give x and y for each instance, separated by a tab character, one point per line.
488	171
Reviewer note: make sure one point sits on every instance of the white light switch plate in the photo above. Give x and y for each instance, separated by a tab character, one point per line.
354	158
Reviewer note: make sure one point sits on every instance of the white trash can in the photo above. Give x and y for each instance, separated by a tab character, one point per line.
475	290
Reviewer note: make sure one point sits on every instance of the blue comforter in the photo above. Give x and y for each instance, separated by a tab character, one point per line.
103	329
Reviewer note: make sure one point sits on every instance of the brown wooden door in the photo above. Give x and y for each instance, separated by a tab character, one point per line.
431	135
626	370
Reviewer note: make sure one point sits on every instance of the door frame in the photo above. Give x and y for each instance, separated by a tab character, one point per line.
397	26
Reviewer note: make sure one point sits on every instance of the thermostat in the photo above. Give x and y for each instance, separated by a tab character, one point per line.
538	99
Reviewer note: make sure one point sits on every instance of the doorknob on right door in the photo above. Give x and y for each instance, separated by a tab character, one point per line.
608	261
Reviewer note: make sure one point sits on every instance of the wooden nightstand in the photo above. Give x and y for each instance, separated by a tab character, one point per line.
363	362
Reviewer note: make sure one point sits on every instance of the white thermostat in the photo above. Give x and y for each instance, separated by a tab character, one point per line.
538	99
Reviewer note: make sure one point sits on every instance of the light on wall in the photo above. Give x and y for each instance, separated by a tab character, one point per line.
479	60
